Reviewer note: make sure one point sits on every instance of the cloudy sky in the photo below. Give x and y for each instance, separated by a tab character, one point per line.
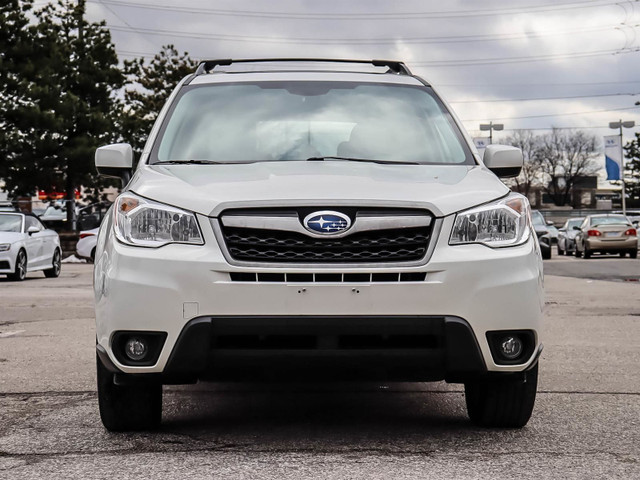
524	63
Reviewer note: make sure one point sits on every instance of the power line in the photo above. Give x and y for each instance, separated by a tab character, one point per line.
567	84
518	59
368	16
485	61
550	128
493	100
552	114
351	41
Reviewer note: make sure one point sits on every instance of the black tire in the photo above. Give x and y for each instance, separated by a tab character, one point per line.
56	265
633	253
587	253
578	252
93	255
20	271
622	254
506	403
560	251
128	408
546	254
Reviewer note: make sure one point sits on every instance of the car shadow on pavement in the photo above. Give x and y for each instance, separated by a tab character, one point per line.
305	418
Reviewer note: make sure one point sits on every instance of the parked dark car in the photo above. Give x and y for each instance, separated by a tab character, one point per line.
553	233
567	236
542	232
91	216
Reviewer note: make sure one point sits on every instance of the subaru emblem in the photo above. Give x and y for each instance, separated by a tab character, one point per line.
327	222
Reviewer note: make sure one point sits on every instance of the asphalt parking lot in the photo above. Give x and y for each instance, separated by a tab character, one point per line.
586	423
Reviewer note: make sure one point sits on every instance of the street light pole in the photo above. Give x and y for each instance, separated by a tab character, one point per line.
619	124
491	127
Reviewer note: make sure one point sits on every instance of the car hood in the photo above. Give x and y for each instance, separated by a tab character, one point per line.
11	237
209	189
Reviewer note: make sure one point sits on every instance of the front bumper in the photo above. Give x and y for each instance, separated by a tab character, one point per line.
164	289
322	347
8	261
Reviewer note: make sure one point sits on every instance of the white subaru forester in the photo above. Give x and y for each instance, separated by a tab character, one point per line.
314	224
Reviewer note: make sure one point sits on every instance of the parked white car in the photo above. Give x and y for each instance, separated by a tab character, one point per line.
26	245
86	246
314	224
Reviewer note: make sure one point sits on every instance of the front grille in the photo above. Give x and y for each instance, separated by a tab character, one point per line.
327	332
334	348
371	246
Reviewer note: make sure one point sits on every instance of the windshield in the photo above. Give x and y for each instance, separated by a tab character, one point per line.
609	220
538	218
280	121
574	223
10	223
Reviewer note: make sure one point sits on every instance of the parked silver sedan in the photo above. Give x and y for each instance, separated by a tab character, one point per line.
607	234
567	236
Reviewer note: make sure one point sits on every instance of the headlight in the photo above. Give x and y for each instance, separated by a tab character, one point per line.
145	223
504	223
5	247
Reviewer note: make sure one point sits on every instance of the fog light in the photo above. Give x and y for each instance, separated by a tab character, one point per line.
511	347
136	348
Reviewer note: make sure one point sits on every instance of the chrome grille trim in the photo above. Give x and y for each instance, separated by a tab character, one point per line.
291	223
436	228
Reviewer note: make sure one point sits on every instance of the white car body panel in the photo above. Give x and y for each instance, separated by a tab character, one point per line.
208	189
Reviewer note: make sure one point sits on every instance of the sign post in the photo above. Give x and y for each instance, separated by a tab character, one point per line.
614	157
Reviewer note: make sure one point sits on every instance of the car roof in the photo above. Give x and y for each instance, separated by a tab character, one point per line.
298	75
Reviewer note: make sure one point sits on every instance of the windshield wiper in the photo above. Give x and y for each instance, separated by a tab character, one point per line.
187	162
367	160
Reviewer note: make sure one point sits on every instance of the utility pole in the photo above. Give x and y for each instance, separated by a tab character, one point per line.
491	127
71	187
619	124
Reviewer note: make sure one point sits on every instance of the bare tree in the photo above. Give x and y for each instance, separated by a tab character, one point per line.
564	158
532	172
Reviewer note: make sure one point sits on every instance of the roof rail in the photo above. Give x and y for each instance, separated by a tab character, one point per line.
206	66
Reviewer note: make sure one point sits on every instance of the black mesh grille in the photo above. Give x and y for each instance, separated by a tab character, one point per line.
398	245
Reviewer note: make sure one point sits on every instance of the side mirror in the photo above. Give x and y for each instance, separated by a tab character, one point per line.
576	228
115	160
549	222
31	230
503	160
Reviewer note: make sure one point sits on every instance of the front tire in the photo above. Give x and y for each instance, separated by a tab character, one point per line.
20	271
560	251
127	408
503	403
56	266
